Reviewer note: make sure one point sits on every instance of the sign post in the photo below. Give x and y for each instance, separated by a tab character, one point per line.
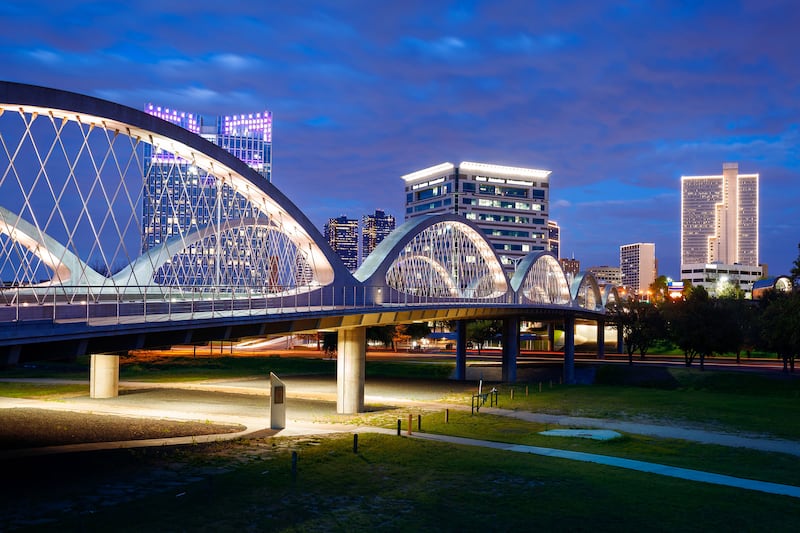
277	402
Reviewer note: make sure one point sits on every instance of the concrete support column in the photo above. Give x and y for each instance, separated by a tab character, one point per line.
569	350
551	337
104	376
510	349
350	369
620	341
601	339
461	350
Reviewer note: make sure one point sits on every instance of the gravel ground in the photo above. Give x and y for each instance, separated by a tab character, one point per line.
33	428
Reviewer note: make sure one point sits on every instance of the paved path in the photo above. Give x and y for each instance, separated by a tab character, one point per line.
753	442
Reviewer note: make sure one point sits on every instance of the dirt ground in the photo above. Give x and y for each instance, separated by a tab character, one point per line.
33	428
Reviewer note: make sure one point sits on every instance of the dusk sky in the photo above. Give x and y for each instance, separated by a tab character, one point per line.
618	99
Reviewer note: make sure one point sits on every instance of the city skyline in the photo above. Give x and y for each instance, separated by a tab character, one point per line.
617	112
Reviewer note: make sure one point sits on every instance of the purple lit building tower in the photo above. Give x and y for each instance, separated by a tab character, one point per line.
173	185
179	200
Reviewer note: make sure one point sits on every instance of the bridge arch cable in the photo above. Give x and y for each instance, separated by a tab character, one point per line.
98	199
446	260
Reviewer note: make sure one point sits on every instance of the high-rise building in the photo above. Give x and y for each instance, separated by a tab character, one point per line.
638	265
179	199
571	267
719	218
171	182
342	234
375	228
509	204
607	274
554	238
719	230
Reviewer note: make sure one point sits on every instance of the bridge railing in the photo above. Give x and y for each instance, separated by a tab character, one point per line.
100	306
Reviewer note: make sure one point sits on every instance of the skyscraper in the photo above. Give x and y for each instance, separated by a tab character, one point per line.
719	230
509	204
374	229
638	265
173	182
554	238
342	234
719	218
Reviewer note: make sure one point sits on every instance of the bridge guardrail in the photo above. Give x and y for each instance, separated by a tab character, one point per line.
97	304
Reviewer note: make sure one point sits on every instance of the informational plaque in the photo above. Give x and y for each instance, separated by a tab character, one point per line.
277	402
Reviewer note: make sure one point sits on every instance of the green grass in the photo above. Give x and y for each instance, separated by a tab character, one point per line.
398	484
725	401
191	369
738	462
11	389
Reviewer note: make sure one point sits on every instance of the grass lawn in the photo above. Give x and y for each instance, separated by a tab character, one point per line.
40	391
399	484
725	401
738	462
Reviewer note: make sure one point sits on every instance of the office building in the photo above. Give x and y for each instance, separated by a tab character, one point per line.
180	198
716	278
174	187
509	204
342	234
375	228
571	267
637	262
719	218
719	229
607	275
554	238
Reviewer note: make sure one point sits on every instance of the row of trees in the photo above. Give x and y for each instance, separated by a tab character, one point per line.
701	326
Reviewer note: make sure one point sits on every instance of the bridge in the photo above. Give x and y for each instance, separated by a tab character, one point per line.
120	230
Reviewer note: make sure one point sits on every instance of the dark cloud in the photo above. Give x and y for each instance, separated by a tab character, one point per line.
617	99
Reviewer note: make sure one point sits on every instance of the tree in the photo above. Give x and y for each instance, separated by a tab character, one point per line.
780	327
481	331
701	326
794	274
641	324
381	334
418	330
659	290
330	342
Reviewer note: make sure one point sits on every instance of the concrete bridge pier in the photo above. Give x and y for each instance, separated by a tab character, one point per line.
601	339
569	350
461	350
350	370
104	376
510	349
551	337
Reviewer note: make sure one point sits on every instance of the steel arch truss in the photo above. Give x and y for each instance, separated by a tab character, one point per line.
540	279
586	292
437	257
101	198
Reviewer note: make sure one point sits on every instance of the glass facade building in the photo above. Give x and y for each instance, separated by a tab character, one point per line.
179	198
719	218
342	234
375	228
509	204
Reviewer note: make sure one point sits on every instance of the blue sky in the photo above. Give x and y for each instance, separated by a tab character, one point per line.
618	99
